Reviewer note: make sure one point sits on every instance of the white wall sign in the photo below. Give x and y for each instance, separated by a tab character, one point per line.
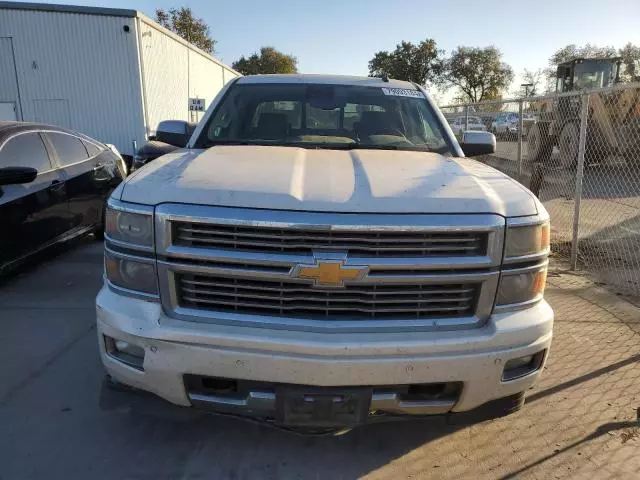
196	105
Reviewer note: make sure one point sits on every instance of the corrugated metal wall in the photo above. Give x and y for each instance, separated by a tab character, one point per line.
78	69
205	79
8	81
173	73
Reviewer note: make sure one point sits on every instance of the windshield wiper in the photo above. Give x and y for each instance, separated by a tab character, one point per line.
410	148
327	145
267	143
213	143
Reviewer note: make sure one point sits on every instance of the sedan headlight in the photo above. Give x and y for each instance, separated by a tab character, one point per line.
527	240
521	286
131	274
129	227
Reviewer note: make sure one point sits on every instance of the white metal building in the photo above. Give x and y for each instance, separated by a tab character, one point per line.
112	74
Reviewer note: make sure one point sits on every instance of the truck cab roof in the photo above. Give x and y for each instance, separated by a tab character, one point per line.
326	80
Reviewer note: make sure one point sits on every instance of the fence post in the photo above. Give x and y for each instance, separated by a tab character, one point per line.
520	128
466	118
584	114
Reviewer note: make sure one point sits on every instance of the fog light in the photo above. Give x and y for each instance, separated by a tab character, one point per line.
125	352
518	362
521	366
129	348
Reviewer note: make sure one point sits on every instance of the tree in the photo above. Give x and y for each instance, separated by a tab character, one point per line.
479	73
182	22
420	63
269	60
630	54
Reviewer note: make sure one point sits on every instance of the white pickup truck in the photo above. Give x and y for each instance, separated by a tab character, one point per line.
321	255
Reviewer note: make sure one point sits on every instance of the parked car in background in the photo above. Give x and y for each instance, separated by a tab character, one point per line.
170	135
53	187
460	124
506	124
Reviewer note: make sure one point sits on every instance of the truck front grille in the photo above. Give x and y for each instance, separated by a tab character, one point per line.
238	266
301	300
306	240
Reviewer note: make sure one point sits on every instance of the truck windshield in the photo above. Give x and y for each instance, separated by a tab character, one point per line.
593	74
324	116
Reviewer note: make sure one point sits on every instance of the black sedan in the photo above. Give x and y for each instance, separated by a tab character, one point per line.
53	187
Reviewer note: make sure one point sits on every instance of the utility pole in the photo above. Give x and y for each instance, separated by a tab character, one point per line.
526	86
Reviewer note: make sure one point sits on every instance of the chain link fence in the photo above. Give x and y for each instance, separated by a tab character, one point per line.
579	152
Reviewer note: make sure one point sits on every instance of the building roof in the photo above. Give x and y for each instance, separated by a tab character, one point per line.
327	79
110	12
50	7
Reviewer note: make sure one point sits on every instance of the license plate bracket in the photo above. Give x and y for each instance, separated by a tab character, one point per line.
322	407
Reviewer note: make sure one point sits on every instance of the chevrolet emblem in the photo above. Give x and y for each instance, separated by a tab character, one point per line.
329	273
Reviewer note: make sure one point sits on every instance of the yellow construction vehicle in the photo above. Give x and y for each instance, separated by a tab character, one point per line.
613	126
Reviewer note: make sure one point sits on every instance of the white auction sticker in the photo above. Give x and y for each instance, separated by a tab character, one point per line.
402	92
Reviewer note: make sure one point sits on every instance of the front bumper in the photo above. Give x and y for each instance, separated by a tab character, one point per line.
472	358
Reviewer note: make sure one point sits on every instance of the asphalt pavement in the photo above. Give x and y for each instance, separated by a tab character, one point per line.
581	421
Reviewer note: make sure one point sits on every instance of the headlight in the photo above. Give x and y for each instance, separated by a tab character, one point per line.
130	274
129	227
521	287
527	240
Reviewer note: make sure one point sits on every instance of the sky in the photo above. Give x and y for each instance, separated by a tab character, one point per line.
341	36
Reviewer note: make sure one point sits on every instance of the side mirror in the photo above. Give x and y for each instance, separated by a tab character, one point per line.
478	143
175	132
17	175
150	151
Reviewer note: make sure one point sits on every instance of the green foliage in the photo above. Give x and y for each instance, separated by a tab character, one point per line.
420	63
269	60
478	73
182	22
630	54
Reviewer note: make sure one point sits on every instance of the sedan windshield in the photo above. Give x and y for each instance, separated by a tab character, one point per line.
324	116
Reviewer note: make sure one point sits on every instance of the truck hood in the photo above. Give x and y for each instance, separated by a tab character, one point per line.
325	180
